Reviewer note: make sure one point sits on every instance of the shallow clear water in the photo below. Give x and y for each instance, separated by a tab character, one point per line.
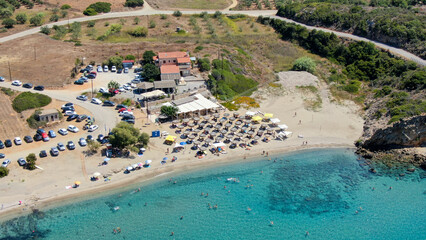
318	191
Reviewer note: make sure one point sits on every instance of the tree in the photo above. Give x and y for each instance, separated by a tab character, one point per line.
37	20
91	23
21	18
8	23
134	3
54	18
113	85
130	57
4	172
204	64
5	13
148	57
151	72
144	139
65	7
93	146
217	14
304	64
31	161
75	30
136	20
100	7
45	30
124	135
90	12
152	24
114	61
177	13
169	111
139	32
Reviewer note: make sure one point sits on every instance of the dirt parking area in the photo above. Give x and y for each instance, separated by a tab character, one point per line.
11	123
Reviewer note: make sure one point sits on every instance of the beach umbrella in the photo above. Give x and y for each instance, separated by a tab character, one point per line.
250	133
238	123
222	120
129	168
217	126
191	137
140	164
240	134
219	139
135	165
106	159
253	127
226	114
229	136
202	124
202	135
175	121
181	126
165	158
234	129
268	115
142	149
197	130
232	119
97	174
206	117
186	120
213	134
77	182
228	125
208	140
236	114
241	117
196	119
147	162
212	121
256	137
191	124
216	115
203	148
244	128
187	132
223	131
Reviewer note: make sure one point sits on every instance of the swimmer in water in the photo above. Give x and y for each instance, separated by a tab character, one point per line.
360	208
146	204
356	212
224	187
390	188
248	209
119	229
306	234
261	172
202	194
173	233
271	223
207	194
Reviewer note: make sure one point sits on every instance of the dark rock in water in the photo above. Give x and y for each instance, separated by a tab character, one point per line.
422	175
402	174
411	169
423	166
372	170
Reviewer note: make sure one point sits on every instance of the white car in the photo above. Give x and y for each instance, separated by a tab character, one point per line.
2	79
96	101
69	113
127	87
5	163
103	90
18	141
113	69
126	70
63	131
93	128
99	69
125	112
82	97
136	81
67	105
72	128
82	142
105	68
16	83
121	89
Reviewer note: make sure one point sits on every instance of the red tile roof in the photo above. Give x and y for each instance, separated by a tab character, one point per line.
172	54
184	60
128	61
169	69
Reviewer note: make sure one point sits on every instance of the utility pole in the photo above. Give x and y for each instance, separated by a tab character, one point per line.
10	72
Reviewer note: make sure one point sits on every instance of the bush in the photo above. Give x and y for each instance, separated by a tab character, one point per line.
139	32
5	13
134	3
152	24
4	172
304	64
198	48
114	61
28	100
8	23
136	20
64	13
177	13
100	7
204	64
90	12
91	23
37	20
65	7
144	139
130	57
31	161
163	16
9	92
33	120
353	86
45	30
54	18
21	18
93	146
217	14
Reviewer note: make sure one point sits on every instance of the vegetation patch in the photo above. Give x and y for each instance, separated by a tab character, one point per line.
9	92
98	7
246	102
33	120
29	100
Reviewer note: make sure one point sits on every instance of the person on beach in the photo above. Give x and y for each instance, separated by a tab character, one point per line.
300	122
20	203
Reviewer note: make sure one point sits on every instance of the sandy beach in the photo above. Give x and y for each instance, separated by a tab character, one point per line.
332	125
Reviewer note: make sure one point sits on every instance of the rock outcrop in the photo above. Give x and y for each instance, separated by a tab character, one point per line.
405	133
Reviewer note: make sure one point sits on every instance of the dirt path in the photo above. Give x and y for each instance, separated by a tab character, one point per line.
83	166
234	4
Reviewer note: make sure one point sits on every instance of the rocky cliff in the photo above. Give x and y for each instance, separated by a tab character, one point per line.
405	133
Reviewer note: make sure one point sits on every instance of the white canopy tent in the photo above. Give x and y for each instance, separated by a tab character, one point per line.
219	144
275	120
250	113
200	103
155	93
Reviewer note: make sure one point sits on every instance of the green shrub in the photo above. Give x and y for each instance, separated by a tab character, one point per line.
28	100
134	3
152	24
90	12
130	57
54	18
8	23
204	64
33	120
163	16
353	86
21	18
31	161
45	30
100	7
177	13
139	32
91	23
37	20
198	48
4	172
114	61
65	7
9	92
304	64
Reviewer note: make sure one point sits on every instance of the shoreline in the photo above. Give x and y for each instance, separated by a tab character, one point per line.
156	174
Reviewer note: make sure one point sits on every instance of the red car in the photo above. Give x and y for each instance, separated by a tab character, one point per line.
122	109
94	73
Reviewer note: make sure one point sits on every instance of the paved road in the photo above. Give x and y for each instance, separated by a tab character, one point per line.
104	116
147	10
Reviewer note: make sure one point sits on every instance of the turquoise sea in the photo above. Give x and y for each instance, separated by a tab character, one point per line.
326	193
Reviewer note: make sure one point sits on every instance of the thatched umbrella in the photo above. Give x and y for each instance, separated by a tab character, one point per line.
223	131
234	129
203	135
219	139
241	117
222	120
191	124
256	137
229	136
186	120
208	140
250	133
228	125
226	114
235	114
181	126
244	128
217	126
175	121
197	130
238	123
207	117
191	136
240	134
196	119
213	133
216	115
232	119
202	124
203	148
253	127
187	132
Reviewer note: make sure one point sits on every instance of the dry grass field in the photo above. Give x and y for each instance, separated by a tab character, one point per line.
189	4
11	123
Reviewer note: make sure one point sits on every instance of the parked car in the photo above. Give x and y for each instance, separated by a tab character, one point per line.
2	79
61	147
96	101
113	69
68	109
70	112
63	131
39	88
5	163
45	137
120	70
106	68
93	128
70	145
79	82
82	98
137	70
43	154
38	137
91	76
121	89
99	69
72	117
136	81
28	139
69	104
16	83
1	144
89	138
131	121
8	143
2	155
103	90
127	116
126	70
120	106
109	103
85	79
127	87
82	142
123	109
22	162
126	113
72	128
18	141
81	117
100	137
40	131
52	134
113	91
54	152
28	85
